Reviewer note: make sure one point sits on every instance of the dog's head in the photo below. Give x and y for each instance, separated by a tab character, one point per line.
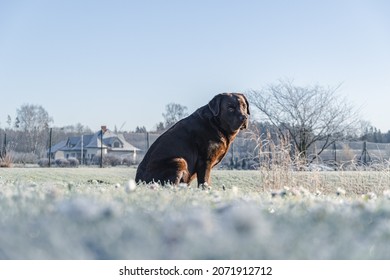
232	111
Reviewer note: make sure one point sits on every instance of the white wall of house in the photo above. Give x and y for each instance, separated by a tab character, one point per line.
92	152
59	154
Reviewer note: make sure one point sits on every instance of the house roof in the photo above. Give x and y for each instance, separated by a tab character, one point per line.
81	141
58	146
95	141
72	141
127	145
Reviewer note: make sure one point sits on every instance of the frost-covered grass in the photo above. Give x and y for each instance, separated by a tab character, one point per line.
89	213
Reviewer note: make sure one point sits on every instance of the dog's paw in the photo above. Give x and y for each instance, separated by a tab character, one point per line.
205	186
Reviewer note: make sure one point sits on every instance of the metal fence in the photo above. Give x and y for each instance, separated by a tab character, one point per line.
242	153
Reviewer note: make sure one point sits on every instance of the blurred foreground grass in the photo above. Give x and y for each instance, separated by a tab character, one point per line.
90	213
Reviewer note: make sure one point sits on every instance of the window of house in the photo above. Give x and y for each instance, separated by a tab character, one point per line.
117	144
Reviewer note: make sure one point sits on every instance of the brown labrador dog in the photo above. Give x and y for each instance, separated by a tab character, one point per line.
196	143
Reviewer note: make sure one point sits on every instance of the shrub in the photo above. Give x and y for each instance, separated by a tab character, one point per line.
112	160
73	162
6	160
43	162
62	162
24	158
128	161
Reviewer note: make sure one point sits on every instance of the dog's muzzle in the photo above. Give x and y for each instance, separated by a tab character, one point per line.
244	120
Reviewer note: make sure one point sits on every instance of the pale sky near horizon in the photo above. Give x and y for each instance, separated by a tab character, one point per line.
118	63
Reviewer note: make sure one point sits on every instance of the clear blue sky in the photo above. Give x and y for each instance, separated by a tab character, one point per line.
120	62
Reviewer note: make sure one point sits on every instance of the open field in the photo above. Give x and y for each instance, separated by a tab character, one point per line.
91	213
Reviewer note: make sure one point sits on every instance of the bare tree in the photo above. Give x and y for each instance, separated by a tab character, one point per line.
9	121
306	115
159	127
173	113
34	121
140	129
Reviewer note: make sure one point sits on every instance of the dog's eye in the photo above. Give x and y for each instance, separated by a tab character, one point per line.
231	109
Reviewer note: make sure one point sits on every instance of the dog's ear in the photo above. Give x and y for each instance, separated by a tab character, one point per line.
247	103
215	104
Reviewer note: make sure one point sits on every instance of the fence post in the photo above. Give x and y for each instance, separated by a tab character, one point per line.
82	150
101	148
365	155
50	134
5	145
3	151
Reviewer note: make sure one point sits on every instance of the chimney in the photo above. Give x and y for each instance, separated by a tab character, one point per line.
104	128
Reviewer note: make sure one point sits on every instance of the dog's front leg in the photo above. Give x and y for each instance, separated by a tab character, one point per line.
203	174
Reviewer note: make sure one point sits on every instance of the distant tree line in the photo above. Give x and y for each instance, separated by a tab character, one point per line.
374	135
